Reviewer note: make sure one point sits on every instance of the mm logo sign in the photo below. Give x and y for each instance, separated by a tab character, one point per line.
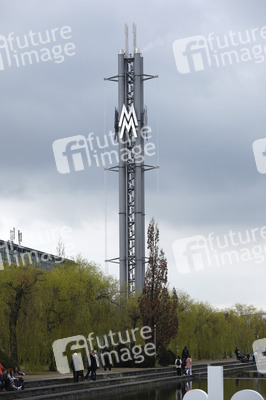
128	121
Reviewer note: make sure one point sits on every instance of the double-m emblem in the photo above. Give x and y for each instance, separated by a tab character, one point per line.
128	121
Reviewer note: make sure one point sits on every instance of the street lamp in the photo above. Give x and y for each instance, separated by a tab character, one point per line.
155	344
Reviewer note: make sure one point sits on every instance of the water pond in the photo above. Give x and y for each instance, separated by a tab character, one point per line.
175	391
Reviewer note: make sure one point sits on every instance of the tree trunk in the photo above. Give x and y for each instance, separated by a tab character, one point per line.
13	319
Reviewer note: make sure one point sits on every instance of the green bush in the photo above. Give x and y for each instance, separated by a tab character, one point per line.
166	357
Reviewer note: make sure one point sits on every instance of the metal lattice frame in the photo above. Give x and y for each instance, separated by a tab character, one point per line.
130	80
130	173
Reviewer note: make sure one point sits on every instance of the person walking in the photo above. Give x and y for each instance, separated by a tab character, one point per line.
189	365
89	367
178	366
183	366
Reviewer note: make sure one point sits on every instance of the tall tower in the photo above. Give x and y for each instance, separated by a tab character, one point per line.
130	131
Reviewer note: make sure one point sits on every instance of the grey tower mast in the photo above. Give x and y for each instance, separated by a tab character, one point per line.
130	122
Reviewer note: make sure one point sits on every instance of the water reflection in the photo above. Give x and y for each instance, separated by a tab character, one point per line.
182	389
176	390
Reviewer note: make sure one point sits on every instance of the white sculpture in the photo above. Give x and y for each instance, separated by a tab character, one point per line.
216	391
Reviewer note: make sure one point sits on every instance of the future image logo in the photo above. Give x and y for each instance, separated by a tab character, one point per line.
65	348
191	54
259	150
259	350
198	53
198	253
71	154
36	47
191	254
78	153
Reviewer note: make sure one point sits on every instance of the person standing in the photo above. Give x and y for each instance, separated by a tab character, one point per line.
178	366
88	366
3	378
183	366
76	366
185	353
189	365
106	359
97	358
93	366
237	353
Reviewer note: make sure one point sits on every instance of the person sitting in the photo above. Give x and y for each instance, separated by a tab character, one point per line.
18	377
9	372
13	385
5	379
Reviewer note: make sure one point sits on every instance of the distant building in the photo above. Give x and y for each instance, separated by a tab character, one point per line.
14	254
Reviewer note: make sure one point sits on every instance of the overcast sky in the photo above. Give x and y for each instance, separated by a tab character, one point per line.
203	123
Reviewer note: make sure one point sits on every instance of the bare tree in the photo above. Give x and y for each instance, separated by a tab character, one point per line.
60	249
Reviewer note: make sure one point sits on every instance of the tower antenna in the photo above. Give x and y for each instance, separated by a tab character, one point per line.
12	234
126	39
134	33
19	237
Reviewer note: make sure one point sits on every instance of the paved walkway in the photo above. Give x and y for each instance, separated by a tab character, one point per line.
49	375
